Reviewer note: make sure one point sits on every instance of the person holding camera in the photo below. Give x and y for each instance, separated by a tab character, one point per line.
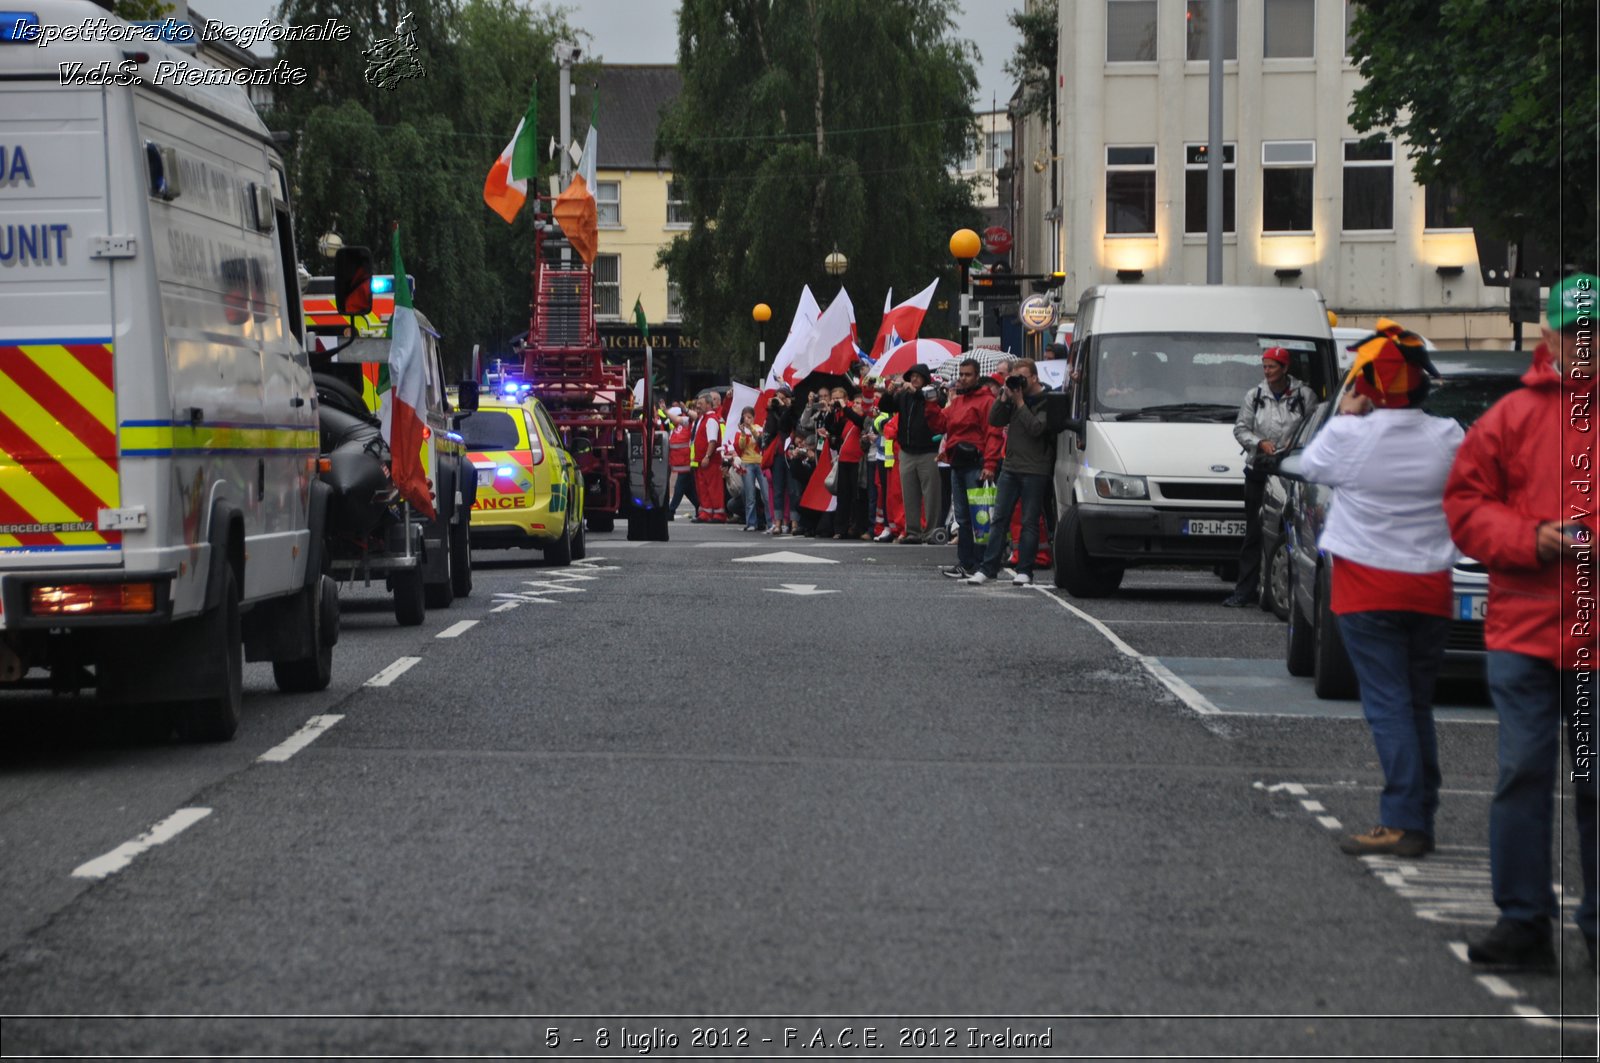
1520	501
1267	420
782	420
844	423
918	407
973	446
1030	458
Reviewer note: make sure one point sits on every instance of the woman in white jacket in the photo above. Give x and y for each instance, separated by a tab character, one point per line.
1390	548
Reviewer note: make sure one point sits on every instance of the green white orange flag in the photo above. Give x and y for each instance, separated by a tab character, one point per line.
506	187
575	209
405	430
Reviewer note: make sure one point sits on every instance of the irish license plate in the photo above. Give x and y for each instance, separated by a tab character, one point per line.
1471	606
1213	527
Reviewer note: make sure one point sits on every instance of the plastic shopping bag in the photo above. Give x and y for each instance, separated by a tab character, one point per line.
980	503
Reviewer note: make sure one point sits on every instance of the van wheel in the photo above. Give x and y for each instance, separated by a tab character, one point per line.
580	543
559	553
1298	641
439	595
410	600
1076	572
214	717
461	559
1275	588
314	606
1332	675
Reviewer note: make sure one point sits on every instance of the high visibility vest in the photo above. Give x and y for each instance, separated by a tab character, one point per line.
678	446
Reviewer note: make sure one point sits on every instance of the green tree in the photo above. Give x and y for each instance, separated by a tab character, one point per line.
1496	99
1034	62
805	125
365	156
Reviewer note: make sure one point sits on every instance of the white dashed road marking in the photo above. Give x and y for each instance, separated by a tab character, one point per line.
505	607
456	630
123	855
393	672
300	739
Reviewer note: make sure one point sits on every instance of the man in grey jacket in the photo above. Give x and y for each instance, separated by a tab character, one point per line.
1267	420
1024	475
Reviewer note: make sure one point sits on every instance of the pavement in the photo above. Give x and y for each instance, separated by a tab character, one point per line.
731	796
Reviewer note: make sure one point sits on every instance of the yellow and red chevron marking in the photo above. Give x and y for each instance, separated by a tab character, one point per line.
58	444
323	310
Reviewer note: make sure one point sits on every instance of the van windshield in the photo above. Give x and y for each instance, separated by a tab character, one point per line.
1191	375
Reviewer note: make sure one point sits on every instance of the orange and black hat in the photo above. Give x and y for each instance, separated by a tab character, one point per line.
1392	367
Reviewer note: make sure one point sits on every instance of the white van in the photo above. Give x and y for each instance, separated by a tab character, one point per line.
160	517
1148	471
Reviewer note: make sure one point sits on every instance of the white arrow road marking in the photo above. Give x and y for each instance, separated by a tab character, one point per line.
506	606
803	589
457	629
307	734
787	557
393	672
122	855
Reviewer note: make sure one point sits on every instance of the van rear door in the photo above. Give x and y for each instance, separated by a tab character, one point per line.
58	407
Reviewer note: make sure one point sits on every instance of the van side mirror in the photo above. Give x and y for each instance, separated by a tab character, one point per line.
352	281
467	396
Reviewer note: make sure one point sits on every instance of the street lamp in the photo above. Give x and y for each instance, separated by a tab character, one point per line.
836	264
329	243
761	313
964	245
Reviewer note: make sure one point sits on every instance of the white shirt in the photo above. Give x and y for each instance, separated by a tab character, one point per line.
1389	468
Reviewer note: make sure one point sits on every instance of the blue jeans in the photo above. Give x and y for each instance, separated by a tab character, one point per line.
1396	656
785	492
1536	703
681	490
967	553
1031	489
755	497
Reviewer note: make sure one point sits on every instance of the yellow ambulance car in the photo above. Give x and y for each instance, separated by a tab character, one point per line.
530	493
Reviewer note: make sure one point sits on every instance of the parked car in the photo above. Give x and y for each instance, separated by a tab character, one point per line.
1295	573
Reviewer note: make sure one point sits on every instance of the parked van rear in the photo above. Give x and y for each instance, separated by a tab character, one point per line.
1148	471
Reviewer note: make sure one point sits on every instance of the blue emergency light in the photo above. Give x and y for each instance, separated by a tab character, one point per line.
381	285
504	470
19	27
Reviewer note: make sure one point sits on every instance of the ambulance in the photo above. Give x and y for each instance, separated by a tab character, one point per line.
160	515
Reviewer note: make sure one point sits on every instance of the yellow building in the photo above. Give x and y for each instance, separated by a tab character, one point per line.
639	211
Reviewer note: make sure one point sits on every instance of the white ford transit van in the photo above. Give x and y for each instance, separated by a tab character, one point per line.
160	516
1148	471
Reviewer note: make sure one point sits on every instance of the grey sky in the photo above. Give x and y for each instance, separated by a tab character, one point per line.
645	31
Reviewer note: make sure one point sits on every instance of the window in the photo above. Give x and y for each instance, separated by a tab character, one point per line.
607	285
1131	189
1130	31
1287	184
1289	29
674	302
1195	163
1199	16
999	144
677	209
1443	208
608	203
1349	20
1368	186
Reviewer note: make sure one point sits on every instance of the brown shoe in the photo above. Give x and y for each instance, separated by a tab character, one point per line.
1386	841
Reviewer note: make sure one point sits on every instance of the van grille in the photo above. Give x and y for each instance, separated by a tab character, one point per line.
1217	491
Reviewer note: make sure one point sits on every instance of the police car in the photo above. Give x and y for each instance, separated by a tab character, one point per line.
530	493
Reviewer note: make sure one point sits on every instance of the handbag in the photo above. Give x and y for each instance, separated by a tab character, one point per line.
831	481
980	503
965	456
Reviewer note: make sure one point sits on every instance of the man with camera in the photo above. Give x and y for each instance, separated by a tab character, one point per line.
1267	420
973	447
1030	457
918	406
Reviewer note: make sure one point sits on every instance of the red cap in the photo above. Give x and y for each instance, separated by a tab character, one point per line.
1277	354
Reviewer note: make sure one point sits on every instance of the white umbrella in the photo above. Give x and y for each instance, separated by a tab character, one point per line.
896	362
988	358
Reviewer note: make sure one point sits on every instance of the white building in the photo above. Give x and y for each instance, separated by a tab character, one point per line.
1304	203
983	167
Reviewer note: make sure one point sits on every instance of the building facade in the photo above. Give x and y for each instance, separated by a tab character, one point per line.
1306	203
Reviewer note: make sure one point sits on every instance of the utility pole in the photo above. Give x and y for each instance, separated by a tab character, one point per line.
567	53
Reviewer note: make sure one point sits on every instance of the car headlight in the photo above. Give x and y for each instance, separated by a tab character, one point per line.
1111	485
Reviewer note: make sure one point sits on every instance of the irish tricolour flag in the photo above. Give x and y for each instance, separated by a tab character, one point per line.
405	426
506	187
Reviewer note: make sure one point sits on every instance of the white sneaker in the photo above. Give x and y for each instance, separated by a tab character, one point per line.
1022	579
886	536
977	579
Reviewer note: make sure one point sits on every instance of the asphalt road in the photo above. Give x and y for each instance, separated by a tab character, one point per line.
672	783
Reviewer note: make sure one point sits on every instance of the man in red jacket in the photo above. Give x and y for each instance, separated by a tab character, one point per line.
973	448
705	456
1520	499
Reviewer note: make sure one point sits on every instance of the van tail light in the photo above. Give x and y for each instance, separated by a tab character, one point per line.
89	599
